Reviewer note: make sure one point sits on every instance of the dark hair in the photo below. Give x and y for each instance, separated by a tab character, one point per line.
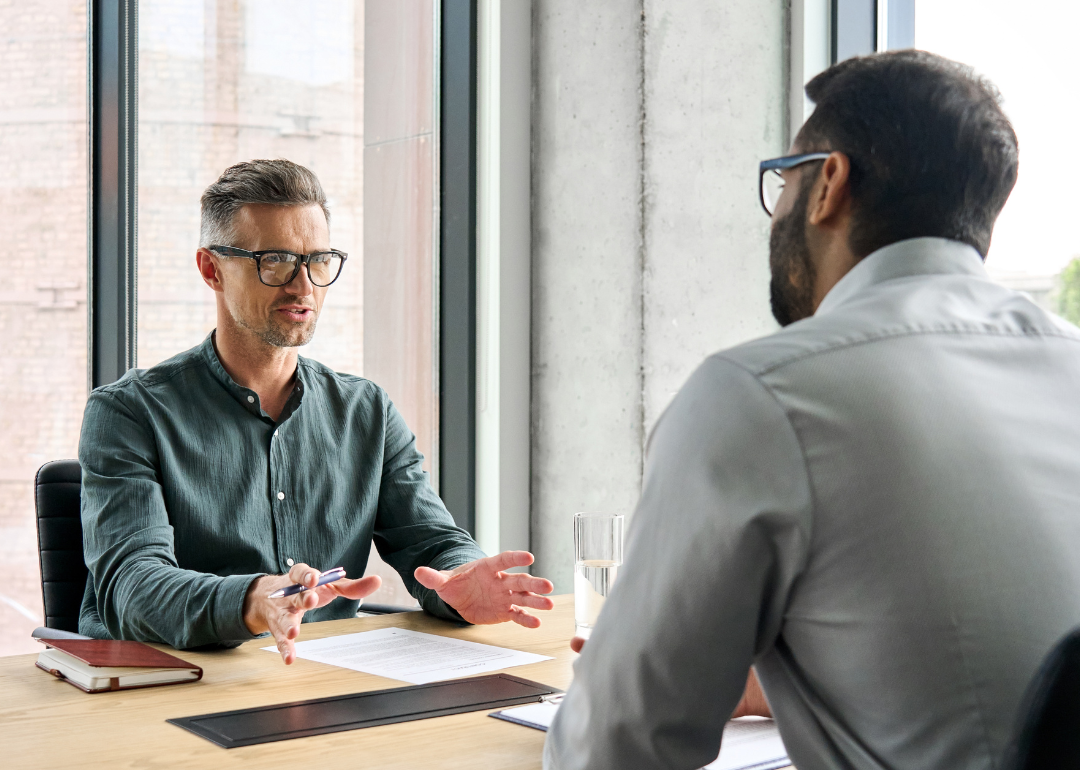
276	182
931	151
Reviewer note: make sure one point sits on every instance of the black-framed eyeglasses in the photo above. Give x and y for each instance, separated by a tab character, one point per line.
277	267
771	183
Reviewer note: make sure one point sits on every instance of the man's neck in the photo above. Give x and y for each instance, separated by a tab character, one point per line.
252	363
832	257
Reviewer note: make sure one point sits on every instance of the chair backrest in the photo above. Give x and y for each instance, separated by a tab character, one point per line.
1048	736
60	548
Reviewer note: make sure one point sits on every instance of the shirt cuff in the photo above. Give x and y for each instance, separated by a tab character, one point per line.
455	557
434	605
231	593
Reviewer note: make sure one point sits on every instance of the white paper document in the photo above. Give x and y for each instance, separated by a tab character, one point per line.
411	656
749	743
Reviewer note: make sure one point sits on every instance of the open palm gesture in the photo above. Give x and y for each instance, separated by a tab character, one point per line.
483	593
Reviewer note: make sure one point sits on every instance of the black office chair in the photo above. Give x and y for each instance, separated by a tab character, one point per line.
1048	737
60	549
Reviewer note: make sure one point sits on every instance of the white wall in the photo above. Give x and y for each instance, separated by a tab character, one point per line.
649	248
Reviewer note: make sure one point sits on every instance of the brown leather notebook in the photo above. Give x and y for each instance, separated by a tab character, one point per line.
104	665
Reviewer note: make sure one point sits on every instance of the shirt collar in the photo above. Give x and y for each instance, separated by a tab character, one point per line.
247	397
915	256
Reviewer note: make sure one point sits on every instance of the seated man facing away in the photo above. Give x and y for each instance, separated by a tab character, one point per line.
218	476
878	507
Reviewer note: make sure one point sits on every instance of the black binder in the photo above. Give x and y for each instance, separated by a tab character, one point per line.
299	719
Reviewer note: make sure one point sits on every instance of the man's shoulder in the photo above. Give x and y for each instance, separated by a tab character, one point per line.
349	385
804	338
922	306
157	377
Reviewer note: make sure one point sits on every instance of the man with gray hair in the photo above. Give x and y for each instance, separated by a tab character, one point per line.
217	477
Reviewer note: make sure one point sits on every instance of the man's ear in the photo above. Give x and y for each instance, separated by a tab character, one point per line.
831	194
209	269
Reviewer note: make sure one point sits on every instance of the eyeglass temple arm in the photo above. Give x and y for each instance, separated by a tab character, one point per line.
790	161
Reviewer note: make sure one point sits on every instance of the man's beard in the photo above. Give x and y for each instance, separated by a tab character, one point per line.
282	334
791	290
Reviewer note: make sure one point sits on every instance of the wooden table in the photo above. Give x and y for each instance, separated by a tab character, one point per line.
47	723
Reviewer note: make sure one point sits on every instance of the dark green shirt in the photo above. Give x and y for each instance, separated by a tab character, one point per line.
190	491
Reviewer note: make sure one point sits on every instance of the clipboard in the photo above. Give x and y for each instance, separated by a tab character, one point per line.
300	719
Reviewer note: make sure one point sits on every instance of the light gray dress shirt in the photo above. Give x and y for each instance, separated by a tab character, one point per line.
878	506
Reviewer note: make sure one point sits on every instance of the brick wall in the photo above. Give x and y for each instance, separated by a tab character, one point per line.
219	81
43	291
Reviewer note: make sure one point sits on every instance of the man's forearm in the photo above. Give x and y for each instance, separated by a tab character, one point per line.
145	600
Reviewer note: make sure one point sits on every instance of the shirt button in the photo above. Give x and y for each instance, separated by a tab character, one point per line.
280	495
275	433
290	562
251	399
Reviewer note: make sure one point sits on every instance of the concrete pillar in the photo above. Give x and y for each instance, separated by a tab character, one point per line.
715	99
586	357
650	250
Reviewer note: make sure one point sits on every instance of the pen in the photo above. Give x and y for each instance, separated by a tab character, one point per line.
337	573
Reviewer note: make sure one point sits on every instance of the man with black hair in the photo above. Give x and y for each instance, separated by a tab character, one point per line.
878	507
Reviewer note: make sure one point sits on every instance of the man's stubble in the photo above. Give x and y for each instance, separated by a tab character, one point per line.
280	334
791	288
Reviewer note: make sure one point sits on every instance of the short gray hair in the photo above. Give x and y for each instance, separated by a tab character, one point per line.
274	182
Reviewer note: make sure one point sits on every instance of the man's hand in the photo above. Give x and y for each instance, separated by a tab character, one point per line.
752	703
482	593
281	617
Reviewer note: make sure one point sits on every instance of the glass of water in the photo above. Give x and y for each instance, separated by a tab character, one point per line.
598	543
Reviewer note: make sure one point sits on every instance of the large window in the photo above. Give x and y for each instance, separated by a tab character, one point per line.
43	298
1029	55
223	82
344	87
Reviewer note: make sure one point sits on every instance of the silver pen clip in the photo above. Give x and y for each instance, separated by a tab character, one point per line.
556	698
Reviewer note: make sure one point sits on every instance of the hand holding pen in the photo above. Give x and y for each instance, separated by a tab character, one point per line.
326	577
304	588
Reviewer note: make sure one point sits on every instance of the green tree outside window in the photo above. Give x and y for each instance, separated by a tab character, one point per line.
1068	299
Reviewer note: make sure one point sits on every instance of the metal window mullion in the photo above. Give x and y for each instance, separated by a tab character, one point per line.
854	28
457	261
113	188
899	26
865	26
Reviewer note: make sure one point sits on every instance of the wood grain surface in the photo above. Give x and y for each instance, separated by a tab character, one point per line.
47	723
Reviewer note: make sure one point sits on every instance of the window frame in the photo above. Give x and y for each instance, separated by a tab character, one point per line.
866	26
112	227
112	195
821	30
457	259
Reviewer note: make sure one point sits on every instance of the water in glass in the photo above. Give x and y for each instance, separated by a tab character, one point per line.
592	582
598	541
